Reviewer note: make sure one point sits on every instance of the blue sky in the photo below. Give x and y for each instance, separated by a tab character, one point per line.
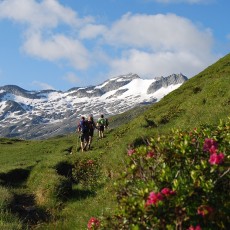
49	44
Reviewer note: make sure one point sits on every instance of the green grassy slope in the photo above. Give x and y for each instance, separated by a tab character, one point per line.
204	99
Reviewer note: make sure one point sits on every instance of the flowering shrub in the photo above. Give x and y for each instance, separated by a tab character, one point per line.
86	172
216	158
210	146
93	223
195	228
204	210
178	181
130	152
153	198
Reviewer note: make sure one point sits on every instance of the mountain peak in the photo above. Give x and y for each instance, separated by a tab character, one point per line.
41	114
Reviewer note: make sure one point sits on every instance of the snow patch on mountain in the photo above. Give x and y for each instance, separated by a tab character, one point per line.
41	114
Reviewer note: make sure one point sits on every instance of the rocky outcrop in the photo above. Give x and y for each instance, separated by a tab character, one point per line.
173	79
42	114
118	82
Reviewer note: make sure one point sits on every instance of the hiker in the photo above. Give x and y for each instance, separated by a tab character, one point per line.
101	126
92	126
83	128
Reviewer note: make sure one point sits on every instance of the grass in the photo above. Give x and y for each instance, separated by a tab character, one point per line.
40	176
35	174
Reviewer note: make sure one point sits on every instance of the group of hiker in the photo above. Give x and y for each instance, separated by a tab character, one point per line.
86	129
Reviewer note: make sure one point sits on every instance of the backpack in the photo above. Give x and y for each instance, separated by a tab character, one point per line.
101	121
91	125
84	126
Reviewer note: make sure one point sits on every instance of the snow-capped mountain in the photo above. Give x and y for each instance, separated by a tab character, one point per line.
42	114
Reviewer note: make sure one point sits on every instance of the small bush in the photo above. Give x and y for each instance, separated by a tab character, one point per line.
86	172
177	181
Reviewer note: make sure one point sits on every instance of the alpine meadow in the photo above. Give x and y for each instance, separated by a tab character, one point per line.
160	166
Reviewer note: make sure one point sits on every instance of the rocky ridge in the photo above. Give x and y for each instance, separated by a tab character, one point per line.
41	114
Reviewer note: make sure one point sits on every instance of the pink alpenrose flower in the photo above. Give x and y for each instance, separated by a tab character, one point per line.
90	162
210	145
93	223
195	227
216	159
130	152
150	154
204	210
167	192
153	198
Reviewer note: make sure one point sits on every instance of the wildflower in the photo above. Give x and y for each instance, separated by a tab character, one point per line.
210	145
216	159
150	154
204	210
93	223
194	140
167	192
90	162
195	227
153	198
130	152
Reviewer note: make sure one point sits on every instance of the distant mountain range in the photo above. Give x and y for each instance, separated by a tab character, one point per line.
42	114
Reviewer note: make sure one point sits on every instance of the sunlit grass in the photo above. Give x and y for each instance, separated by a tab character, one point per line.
31	167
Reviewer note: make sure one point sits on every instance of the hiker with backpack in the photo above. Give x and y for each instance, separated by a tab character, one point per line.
101	122
92	126
83	128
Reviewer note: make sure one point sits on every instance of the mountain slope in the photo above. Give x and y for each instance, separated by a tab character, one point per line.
203	99
41	114
195	103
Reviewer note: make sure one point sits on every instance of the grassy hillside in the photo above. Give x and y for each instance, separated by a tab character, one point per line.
36	185
203	99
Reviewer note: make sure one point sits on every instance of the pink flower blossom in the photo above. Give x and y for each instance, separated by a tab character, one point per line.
204	210
213	149
195	227
167	192
90	162
93	223
153	198
150	154
216	159
210	145
130	152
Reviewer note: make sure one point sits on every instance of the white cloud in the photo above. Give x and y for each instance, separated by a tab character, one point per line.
71	77
159	44
42	85
145	44
58	47
151	65
42	14
158	32
41	19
